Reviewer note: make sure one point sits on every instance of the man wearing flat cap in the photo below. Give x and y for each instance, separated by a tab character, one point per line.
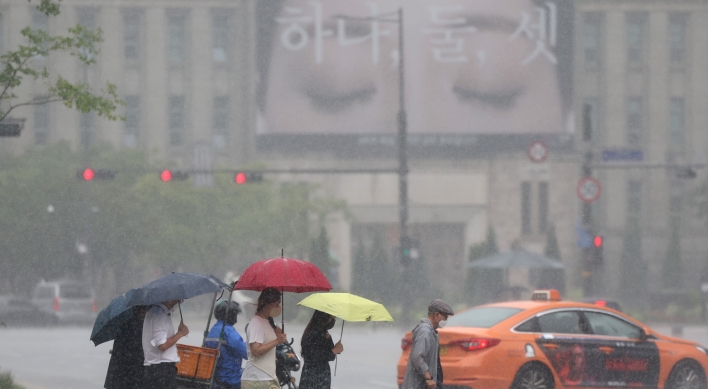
423	370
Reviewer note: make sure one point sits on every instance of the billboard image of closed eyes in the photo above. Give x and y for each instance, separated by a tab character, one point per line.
477	72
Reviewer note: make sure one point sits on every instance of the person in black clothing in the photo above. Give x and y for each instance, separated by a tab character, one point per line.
125	369
318	350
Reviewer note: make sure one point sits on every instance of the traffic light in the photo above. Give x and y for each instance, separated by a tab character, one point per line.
248	177
597	245
89	174
169	175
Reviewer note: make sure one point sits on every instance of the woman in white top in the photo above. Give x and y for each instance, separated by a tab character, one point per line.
262	339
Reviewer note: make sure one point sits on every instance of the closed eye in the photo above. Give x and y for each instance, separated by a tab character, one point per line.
499	100
332	103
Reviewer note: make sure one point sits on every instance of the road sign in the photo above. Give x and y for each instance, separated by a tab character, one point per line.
589	189
537	151
609	155
584	237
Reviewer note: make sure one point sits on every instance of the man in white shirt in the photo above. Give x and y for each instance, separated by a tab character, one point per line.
159	339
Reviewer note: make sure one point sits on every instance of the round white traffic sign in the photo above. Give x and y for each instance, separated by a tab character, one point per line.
537	151
589	189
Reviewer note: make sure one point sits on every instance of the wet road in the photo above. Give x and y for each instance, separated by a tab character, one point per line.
64	358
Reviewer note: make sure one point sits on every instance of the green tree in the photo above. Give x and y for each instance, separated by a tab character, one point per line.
381	275
7	382
319	252
360	268
30	60
135	222
633	269
672	269
484	285
551	278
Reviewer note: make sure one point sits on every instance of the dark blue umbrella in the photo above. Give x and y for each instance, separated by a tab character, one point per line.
111	318
176	286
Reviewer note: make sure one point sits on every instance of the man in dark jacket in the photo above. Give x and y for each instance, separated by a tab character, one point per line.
423	370
125	369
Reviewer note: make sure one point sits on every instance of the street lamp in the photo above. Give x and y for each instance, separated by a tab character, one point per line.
402	144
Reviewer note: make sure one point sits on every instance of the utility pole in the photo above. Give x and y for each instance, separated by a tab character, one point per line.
590	267
405	241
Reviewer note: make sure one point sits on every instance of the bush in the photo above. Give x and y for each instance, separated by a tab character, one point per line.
6	381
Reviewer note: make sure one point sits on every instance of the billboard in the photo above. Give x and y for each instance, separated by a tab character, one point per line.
479	75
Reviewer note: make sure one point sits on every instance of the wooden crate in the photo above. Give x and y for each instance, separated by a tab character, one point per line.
195	360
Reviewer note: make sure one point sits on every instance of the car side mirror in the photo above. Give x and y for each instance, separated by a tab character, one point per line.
643	335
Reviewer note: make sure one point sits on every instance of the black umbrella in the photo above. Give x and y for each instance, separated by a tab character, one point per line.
111	318
176	286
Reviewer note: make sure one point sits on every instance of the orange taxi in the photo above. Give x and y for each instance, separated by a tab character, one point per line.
546	343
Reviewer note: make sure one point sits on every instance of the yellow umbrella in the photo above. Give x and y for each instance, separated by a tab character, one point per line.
348	307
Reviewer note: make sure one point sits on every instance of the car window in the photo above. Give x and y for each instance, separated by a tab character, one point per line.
44	292
74	291
603	324
17	303
483	317
564	322
529	326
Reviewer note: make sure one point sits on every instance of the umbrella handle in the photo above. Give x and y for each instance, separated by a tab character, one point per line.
335	357
180	312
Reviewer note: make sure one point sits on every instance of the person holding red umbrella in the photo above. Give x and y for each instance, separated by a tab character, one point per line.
262	339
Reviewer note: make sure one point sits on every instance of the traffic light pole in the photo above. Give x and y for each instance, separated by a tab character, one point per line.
404	239
590	267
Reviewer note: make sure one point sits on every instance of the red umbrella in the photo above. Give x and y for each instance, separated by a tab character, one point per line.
284	274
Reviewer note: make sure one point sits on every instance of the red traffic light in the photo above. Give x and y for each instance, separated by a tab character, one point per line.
88	174
240	178
166	175
597	241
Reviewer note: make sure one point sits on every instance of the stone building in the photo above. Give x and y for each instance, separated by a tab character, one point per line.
641	66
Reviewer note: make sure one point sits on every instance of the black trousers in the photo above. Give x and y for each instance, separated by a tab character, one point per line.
161	376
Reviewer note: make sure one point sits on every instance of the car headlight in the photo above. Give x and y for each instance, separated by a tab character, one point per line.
702	349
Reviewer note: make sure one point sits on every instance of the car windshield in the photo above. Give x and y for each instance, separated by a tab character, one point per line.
44	292
483	317
75	292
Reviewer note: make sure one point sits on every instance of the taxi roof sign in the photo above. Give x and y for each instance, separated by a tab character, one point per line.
546	295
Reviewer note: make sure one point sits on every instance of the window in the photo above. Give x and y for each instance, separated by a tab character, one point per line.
221	121
45	292
87	18
565	322
530	325
635	36
675	201
592	38
542	207
40	22
676	123
634	200
86	125
677	38
634	121
41	124
220	37
176	114
2	34
131	35
75	291
131	125
482	317
526	207
603	324
177	35
594	103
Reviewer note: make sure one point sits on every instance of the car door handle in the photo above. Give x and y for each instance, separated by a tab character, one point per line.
550	346
607	350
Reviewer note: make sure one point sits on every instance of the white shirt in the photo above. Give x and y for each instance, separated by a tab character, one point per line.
259	368
157	327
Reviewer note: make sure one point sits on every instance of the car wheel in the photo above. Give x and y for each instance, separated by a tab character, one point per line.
533	376
686	375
